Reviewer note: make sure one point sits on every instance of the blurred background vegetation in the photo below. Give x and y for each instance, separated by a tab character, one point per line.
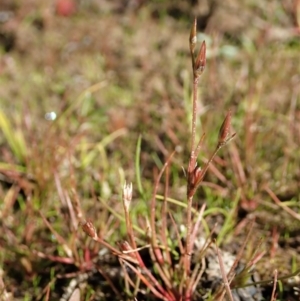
82	80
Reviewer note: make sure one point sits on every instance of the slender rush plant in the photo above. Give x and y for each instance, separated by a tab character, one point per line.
195	174
169	283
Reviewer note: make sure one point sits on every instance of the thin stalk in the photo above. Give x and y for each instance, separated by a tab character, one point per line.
137	166
139	261
194	116
197	274
224	276
157	251
192	164
131	235
110	282
163	296
164	220
296	273
175	226
197	225
189	217
127	280
198	147
241	250
206	166
192	191
187	255
273	297
161	270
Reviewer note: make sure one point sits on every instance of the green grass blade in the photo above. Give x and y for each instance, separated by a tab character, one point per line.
229	220
14	138
138	166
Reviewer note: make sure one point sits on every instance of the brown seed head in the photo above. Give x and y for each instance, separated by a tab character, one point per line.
224	133
200	61
89	229
194	179
124	246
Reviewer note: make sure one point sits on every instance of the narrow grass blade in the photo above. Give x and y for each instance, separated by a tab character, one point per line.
14	137
138	166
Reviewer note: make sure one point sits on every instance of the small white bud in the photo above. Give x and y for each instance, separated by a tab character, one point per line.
127	195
